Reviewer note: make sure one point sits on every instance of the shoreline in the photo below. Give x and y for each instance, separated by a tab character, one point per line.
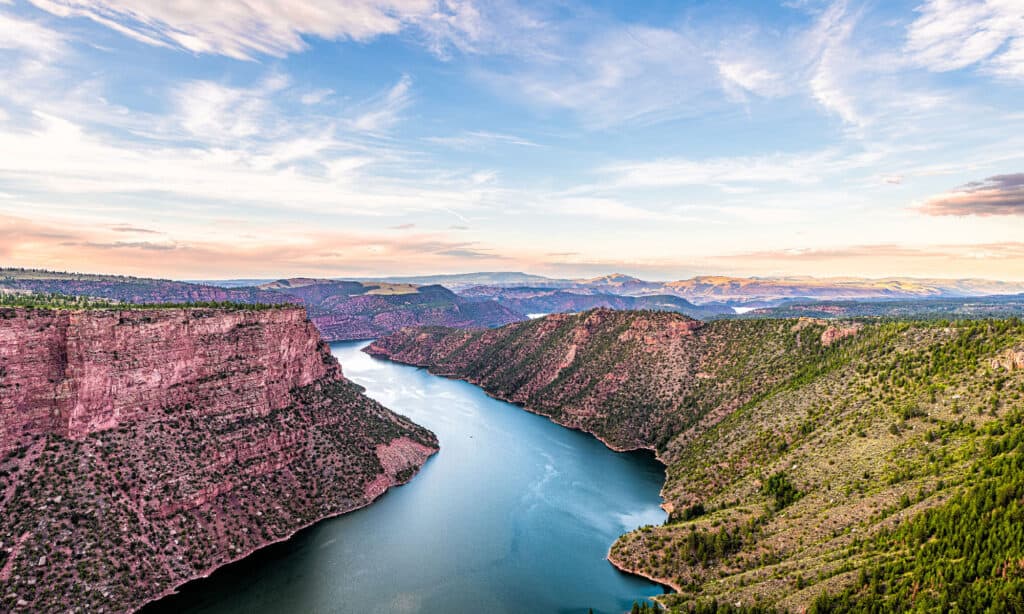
663	582
211	570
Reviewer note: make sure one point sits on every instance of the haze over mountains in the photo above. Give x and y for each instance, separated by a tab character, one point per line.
364	309
718	288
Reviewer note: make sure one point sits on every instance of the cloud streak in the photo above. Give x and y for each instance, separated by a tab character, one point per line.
955	34
246	29
997	195
81	245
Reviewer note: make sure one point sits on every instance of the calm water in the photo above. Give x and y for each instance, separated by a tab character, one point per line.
515	514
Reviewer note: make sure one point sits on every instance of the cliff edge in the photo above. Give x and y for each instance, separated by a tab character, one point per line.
143	448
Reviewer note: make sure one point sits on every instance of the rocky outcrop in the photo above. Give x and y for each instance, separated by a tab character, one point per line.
837	333
1011	360
143	448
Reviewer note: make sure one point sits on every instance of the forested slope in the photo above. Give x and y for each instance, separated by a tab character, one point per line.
873	462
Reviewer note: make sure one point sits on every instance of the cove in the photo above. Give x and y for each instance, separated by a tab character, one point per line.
515	514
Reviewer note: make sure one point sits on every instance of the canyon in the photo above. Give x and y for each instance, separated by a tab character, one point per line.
144	447
803	455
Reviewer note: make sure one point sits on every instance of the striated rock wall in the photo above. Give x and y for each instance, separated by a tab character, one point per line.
145	448
76	372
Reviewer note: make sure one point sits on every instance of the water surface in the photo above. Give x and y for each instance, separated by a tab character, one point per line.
515	514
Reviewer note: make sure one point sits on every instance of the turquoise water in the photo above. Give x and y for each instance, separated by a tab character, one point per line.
514	515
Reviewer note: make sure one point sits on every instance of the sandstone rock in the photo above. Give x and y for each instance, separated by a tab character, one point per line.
836	333
1010	360
183	439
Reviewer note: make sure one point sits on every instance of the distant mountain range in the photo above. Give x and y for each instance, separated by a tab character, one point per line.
730	291
342	310
363	308
532	301
739	291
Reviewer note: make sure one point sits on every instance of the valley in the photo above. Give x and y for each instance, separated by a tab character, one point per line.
798	451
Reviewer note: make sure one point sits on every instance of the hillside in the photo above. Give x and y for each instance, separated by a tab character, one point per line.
546	300
142	448
803	456
356	310
342	310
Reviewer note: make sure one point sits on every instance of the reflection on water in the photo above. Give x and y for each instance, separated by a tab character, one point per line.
515	514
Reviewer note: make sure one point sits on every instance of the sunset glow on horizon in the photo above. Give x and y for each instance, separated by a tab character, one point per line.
401	137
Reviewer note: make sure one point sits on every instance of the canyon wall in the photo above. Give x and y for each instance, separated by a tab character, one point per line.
794	448
142	448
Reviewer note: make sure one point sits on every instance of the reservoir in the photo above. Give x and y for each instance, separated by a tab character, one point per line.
515	514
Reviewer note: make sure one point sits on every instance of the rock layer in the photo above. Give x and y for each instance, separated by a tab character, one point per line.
144	448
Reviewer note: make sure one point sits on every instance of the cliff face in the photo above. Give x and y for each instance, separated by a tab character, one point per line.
73	373
792	446
144	448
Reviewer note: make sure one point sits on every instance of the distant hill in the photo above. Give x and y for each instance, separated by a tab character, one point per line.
738	291
552	300
925	308
741	291
460	281
363	310
342	310
721	290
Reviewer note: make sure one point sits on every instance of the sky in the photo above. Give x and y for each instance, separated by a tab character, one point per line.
663	139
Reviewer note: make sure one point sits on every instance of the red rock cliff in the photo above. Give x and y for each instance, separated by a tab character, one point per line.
75	372
142	448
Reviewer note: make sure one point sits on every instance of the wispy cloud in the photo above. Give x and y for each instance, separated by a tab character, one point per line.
997	195
955	34
480	139
830	35
744	77
82	246
244	30
29	36
386	109
774	168
620	75
60	157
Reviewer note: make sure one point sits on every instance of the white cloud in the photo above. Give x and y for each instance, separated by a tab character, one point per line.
954	34
744	76
60	158
622	75
316	96
387	109
607	209
30	37
780	168
828	80
480	139
244	29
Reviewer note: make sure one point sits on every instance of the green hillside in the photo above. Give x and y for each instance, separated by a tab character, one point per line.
839	466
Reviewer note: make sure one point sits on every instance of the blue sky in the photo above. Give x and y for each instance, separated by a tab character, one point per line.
663	139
